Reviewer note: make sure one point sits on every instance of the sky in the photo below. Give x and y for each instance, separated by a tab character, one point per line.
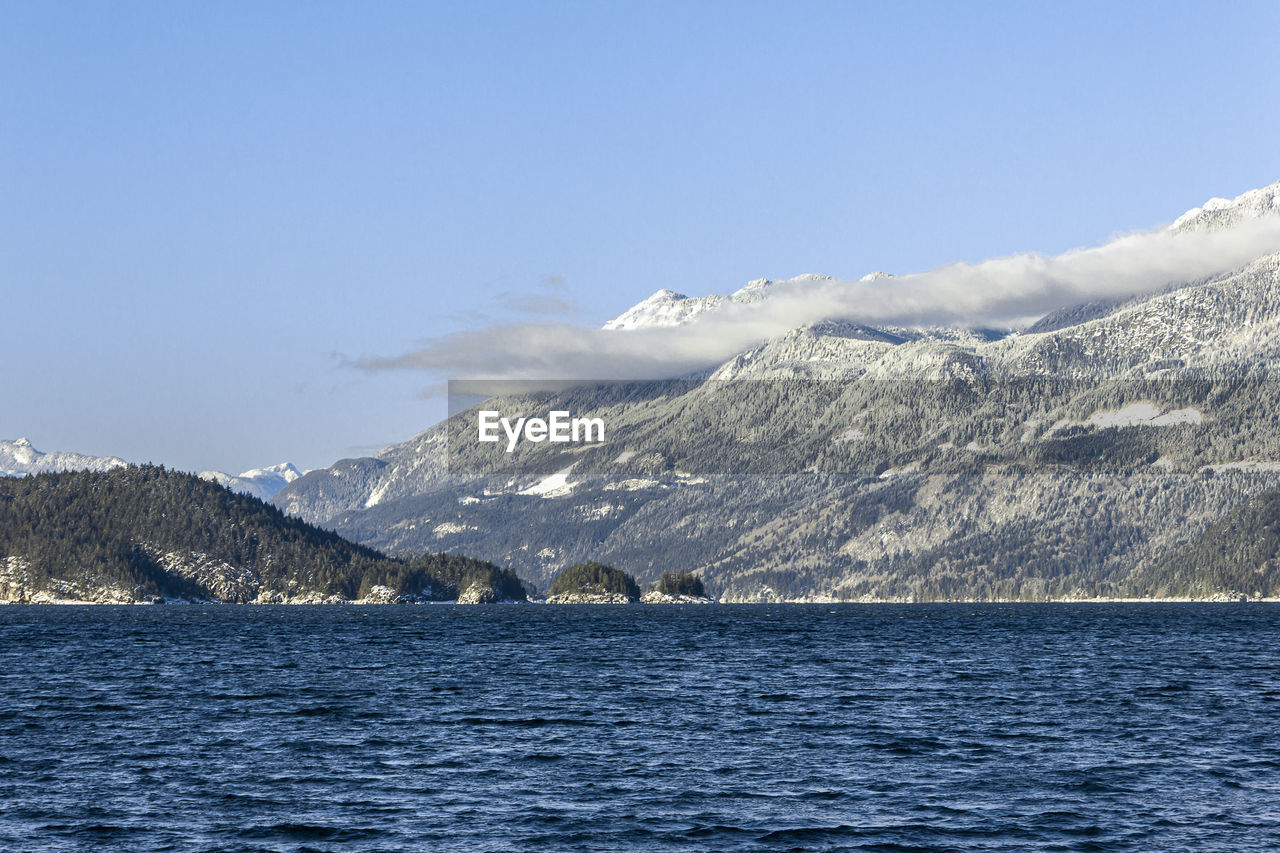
215	217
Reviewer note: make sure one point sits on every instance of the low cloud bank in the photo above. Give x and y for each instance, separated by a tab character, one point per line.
1003	292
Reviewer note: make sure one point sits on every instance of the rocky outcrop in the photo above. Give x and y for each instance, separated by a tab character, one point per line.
590	598
18	587
225	582
305	598
655	597
479	593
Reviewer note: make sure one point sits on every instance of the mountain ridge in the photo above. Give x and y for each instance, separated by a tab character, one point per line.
918	524
19	458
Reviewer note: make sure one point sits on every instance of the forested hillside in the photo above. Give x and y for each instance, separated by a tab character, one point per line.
141	533
1240	552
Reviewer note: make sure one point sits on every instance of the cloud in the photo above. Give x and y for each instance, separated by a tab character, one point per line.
468	315
434	391
549	301
1003	292
536	303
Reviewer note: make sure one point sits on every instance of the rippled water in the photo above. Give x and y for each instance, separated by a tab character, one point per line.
1092	727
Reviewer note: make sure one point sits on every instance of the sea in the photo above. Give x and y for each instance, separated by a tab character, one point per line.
1055	727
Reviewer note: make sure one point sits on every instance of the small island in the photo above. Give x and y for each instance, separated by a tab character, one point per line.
678	588
593	583
597	583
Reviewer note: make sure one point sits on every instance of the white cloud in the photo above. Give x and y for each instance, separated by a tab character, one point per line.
1002	292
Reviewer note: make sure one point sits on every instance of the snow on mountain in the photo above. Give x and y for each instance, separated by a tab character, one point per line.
1218	214
262	483
20	459
664	308
668	308
1228	324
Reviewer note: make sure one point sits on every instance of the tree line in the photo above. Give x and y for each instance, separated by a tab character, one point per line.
99	528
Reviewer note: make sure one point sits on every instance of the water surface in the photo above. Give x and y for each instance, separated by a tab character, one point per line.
792	727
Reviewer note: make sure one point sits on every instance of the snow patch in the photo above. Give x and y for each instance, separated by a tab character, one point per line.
555	485
376	496
449	528
634	484
898	472
595	513
1134	414
1247	465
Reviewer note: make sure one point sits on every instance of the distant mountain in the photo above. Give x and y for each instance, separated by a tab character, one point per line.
20	459
851	474
136	534
262	483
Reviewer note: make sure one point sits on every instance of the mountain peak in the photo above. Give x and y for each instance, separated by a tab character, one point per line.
262	483
20	459
669	308
1218	214
663	308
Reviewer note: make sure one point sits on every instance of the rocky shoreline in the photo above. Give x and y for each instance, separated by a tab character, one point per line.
655	597
590	598
12	592
43	598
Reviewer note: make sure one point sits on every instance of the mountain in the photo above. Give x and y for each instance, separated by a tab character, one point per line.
1217	214
1239	552
261	483
20	459
137	534
668	308
843	460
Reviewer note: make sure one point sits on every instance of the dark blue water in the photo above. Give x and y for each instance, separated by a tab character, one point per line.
1094	727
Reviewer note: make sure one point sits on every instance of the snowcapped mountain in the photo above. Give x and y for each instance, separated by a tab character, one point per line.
262	483
816	536
20	459
668	308
1218	214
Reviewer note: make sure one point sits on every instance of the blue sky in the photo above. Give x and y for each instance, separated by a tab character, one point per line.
210	212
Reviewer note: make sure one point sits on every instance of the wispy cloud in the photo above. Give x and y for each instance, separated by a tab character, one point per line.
545	304
548	300
1009	291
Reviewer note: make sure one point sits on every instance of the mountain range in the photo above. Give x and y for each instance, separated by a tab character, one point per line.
1073	457
1125	446
20	459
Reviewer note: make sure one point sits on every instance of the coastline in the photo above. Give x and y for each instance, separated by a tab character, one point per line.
39	601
